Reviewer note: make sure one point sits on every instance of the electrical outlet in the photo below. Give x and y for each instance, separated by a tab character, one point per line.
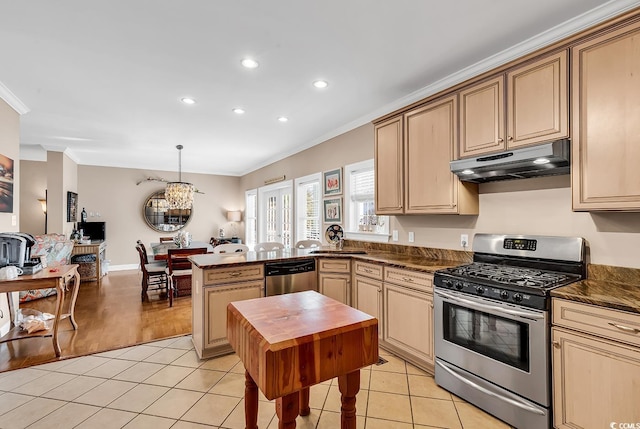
394	235
464	240
412	237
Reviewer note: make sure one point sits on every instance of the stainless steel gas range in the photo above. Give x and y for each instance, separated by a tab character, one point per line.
492	323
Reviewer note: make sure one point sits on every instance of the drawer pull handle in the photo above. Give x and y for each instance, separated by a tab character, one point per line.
625	328
367	270
235	274
408	279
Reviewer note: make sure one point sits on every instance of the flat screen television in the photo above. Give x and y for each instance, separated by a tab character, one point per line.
95	230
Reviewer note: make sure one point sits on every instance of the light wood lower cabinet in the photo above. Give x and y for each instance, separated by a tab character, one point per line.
596	366
408	316
367	291
334	279
212	290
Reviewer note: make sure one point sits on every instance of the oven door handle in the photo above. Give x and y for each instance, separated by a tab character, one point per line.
521	403
480	306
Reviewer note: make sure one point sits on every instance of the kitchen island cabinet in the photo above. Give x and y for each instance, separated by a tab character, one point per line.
606	130
596	365
334	278
212	290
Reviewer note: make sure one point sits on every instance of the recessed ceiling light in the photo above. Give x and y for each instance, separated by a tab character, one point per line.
320	84
187	100
283	119
249	63
238	110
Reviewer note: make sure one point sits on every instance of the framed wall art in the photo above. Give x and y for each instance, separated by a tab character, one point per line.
72	207
6	184
332	182
333	210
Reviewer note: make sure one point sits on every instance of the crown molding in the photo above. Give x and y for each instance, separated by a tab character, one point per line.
12	100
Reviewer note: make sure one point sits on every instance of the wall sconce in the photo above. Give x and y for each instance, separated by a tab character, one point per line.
234	216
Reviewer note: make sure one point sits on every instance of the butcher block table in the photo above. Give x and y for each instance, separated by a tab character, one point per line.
288	343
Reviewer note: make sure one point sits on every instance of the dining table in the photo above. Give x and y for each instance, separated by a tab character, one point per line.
161	250
291	342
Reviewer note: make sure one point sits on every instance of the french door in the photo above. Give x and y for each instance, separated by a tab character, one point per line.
276	213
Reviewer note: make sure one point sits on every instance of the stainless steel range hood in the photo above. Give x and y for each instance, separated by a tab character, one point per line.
541	160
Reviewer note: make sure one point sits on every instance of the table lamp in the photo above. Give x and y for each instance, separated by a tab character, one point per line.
234	216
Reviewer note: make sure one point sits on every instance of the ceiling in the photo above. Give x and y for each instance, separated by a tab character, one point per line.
103	80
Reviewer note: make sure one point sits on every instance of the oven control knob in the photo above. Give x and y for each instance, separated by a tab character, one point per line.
447	283
459	285
504	294
517	297
480	290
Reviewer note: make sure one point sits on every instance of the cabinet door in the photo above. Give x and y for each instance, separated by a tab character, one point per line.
595	382
482	118
408	321
389	167
216	299
368	298
605	109
537	102
431	135
336	286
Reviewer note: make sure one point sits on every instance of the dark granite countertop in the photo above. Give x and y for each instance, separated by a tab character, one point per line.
603	293
413	262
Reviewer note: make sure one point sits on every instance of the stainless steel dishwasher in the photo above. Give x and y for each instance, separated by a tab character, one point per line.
290	276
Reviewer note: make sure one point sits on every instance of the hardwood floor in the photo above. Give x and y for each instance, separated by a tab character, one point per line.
109	316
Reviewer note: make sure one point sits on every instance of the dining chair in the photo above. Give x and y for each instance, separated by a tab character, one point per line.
146	256
308	244
268	245
179	271
153	275
231	248
166	239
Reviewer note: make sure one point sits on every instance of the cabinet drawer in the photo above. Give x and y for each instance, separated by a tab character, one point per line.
603	322
333	265
233	274
368	270
417	280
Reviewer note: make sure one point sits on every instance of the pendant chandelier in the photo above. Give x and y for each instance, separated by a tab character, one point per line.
179	195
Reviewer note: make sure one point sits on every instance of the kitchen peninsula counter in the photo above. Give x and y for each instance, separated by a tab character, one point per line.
413	262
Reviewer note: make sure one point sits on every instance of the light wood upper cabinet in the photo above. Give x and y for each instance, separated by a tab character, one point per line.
537	102
389	169
606	121
536	108
431	135
482	118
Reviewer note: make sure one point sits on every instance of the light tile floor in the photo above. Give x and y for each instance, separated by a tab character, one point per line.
164	385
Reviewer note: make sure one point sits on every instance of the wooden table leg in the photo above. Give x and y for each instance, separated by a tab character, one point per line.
304	402
349	385
287	410
250	402
56	321
74	297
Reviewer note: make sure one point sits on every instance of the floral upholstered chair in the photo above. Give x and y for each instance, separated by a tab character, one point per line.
56	249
